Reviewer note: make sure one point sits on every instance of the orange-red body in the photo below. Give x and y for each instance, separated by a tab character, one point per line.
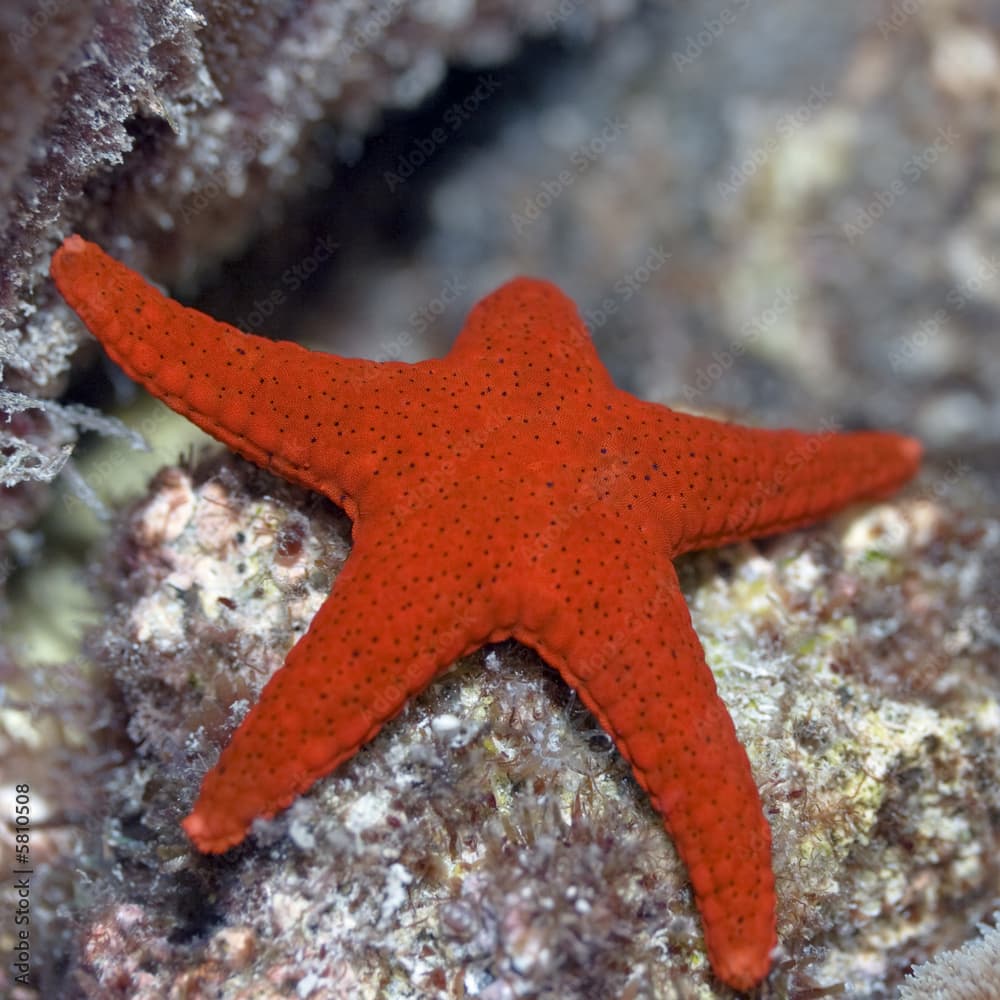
508	489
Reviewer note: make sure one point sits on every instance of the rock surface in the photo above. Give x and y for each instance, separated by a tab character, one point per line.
490	839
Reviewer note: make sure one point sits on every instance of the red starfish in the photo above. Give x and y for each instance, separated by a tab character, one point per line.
508	489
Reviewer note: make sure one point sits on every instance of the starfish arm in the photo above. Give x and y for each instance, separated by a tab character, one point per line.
639	667
724	483
529	332
290	410
382	635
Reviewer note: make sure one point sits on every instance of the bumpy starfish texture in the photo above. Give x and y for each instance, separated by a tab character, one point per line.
506	490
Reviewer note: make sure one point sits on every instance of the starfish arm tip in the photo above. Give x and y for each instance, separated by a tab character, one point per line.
209	839
74	243
742	971
900	462
913	450
73	246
